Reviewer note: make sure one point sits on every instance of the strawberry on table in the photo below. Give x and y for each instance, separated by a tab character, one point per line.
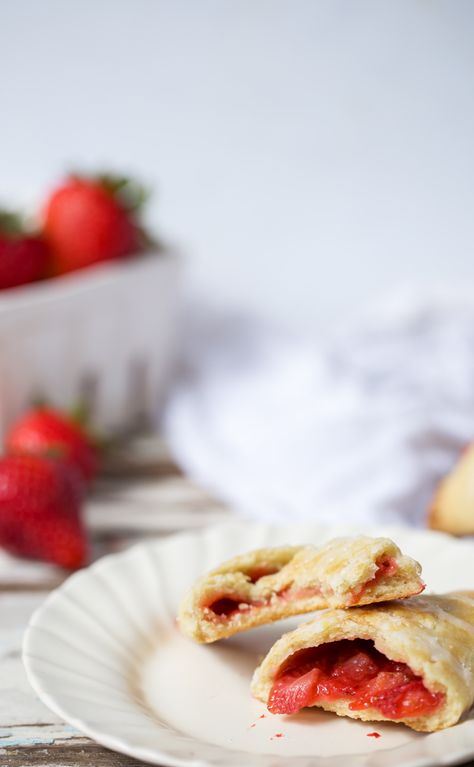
40	511
90	220
23	255
47	432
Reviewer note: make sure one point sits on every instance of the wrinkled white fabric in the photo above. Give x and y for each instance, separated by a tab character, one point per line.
359	428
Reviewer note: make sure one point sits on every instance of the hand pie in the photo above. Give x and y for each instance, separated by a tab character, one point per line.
410	662
452	508
268	584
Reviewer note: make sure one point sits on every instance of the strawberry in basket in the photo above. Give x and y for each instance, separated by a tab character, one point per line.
90	220
23	255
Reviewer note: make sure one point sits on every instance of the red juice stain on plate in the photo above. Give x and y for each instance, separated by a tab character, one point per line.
278	735
253	725
262	716
374	735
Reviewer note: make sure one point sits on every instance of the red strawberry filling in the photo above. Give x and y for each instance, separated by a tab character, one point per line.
353	671
386	566
228	605
225	607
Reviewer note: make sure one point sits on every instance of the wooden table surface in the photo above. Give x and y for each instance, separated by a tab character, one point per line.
144	495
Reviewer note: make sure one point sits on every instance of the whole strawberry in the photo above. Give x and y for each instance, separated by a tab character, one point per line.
23	256
40	511
47	432
92	220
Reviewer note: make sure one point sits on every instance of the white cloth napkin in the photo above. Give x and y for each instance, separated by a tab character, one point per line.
359	428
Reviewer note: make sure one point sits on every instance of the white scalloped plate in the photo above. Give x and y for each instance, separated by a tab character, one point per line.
104	653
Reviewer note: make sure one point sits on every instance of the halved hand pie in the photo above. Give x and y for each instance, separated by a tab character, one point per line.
268	584
452	508
410	662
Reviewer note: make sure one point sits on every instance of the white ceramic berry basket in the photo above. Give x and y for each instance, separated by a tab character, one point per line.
105	336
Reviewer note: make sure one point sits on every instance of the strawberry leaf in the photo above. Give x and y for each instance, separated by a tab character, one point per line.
11	223
130	194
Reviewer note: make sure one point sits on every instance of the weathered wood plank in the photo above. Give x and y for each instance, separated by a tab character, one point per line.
18	703
160	506
83	753
178	488
139	457
29	586
21	572
37	734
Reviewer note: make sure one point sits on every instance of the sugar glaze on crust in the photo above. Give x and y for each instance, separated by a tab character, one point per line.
266	585
433	635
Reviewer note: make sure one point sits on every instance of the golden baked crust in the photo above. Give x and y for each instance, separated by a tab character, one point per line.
344	572
452	508
434	635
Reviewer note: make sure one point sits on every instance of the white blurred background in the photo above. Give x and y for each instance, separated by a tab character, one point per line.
309	155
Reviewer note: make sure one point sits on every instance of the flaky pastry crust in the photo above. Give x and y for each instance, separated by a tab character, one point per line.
266	585
433	635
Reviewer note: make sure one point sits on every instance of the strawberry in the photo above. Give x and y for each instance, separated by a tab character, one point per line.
23	256
46	432
92	220
40	510
293	691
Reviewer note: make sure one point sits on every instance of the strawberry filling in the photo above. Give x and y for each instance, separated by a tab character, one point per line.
226	606
353	671
386	566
